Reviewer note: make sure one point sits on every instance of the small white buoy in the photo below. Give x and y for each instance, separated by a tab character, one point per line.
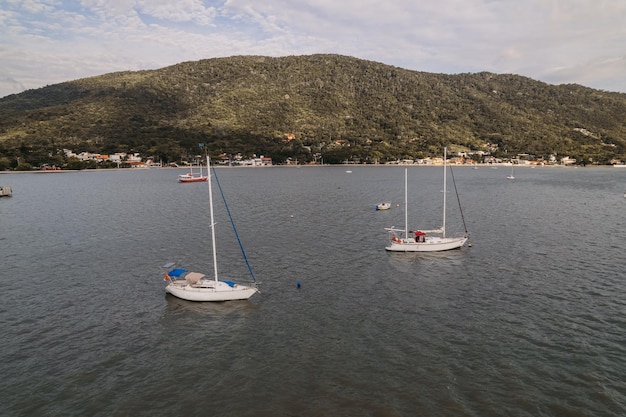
469	245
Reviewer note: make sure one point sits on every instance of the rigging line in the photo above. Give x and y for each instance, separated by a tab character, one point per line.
232	222
458	200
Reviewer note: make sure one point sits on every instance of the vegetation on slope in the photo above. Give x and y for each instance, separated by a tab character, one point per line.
308	107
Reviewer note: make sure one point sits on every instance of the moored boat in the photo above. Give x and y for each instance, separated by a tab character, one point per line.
403	240
191	177
195	286
5	191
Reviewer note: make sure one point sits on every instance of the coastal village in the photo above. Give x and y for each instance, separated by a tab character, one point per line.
135	160
474	158
487	157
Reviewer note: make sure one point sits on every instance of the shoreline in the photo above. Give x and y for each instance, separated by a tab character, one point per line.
483	166
493	166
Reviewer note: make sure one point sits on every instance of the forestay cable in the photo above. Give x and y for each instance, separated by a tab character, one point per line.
232	222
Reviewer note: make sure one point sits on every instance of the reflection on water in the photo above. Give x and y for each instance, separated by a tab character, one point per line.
176	306
429	262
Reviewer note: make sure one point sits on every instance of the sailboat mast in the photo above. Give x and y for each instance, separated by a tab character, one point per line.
445	157
406	207
208	164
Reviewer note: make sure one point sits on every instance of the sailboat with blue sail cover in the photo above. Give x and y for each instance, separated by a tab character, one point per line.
196	286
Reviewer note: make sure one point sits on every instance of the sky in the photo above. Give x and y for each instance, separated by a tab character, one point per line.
44	42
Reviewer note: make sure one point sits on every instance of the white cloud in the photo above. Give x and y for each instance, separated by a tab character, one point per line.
178	11
557	41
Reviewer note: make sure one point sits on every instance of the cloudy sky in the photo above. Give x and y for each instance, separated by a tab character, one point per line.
557	41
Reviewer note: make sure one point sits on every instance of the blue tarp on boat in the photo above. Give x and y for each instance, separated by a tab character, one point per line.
176	272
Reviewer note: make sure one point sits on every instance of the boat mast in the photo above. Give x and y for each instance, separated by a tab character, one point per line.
406	207
208	164
445	157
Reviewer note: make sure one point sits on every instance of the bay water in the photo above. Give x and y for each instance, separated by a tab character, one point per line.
529	319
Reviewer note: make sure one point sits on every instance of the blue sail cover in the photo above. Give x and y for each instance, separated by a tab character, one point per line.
176	272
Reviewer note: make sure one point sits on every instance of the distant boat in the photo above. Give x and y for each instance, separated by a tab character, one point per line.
193	286
191	177
5	191
424	240
511	176
383	206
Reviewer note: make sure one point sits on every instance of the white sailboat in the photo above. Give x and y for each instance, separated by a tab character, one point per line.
511	176
194	286
424	240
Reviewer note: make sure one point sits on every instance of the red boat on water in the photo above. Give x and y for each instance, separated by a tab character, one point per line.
190	177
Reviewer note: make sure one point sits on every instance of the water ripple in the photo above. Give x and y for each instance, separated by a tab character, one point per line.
527	322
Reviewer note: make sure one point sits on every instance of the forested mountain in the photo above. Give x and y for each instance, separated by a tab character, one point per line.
331	106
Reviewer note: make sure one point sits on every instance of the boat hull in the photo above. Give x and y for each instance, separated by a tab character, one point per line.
194	179
210	291
432	244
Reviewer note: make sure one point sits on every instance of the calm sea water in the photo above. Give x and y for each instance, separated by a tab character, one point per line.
528	321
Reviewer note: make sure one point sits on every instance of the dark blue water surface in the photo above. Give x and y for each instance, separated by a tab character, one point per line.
528	321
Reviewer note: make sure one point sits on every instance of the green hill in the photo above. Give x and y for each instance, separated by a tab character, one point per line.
329	106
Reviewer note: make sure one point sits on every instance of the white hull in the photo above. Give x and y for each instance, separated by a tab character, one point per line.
432	244
210	290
